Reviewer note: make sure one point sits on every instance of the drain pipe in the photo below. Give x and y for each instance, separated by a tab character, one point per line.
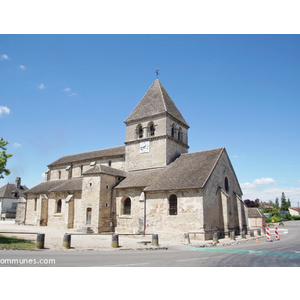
145	213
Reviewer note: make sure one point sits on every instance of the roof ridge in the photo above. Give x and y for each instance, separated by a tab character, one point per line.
190	153
92	151
162	95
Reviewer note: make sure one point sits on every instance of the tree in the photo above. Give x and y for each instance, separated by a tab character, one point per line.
284	203
3	158
276	203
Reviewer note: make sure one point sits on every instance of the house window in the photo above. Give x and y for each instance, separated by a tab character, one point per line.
152	129
127	206
109	163
89	216
35	204
173	205
58	206
81	170
59	174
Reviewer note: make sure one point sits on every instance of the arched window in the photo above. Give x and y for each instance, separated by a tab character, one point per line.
226	184
58	206
89	216
151	129
139	131
127	206
59	174
180	134
173	205
173	130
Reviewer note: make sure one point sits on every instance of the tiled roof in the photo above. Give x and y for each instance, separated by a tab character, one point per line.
7	190
91	155
189	171
73	184
100	169
139	178
155	102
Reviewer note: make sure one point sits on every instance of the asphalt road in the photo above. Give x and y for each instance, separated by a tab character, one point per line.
282	253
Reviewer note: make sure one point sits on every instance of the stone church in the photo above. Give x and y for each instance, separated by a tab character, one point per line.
151	184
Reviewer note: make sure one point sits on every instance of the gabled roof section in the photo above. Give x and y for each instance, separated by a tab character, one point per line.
189	171
156	101
100	169
9	189
91	155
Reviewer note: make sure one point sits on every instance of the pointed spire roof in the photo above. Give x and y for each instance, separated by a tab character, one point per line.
156	101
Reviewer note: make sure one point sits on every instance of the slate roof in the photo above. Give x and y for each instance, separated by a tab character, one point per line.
73	184
155	102
100	169
189	171
91	155
7	190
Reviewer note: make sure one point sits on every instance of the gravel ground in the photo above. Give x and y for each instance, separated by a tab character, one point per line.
102	242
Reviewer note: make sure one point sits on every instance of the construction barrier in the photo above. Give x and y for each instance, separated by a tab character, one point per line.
276	234
268	235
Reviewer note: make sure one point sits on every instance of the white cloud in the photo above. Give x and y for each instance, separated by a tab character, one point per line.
41	86
4	57
272	193
4	110
17	145
257	190
264	181
68	91
22	67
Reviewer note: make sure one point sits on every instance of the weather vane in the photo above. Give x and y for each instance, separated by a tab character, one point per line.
157	73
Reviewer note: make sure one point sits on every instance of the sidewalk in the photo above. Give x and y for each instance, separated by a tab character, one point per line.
102	242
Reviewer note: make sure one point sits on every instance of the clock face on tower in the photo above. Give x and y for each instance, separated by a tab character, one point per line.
144	147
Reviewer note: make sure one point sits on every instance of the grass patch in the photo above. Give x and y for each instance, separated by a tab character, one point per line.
15	243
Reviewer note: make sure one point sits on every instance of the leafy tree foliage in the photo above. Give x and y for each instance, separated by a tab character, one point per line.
3	158
284	203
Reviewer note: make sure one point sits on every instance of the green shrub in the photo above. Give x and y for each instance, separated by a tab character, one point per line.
275	218
296	218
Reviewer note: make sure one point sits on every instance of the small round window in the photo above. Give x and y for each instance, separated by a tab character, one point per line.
226	184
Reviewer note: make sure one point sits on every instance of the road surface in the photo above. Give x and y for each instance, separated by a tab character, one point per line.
282	253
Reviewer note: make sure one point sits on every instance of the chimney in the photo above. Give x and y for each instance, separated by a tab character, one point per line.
18	182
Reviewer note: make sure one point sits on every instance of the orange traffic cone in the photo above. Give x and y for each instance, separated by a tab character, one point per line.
256	241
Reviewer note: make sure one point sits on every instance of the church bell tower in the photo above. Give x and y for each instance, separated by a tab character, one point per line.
156	132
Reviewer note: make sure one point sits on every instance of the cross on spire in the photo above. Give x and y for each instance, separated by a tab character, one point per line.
157	73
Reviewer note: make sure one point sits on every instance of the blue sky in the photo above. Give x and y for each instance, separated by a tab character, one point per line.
65	94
